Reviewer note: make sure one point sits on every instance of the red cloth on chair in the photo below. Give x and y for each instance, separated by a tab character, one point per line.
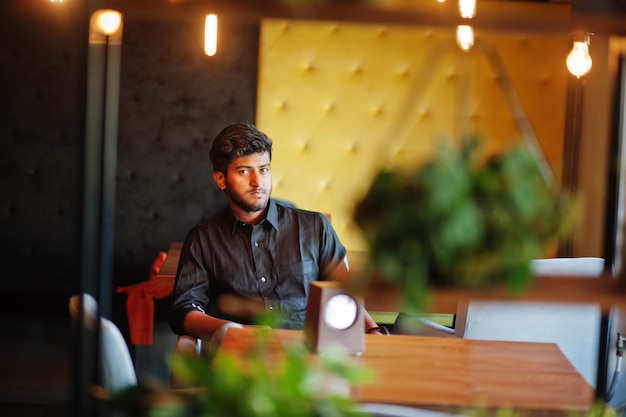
140	304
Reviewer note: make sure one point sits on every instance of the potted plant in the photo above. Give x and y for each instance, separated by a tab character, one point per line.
459	220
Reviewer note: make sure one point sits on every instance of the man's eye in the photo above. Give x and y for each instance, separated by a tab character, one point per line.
243	172
265	170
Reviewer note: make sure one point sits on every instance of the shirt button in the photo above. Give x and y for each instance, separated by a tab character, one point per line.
263	279
271	307
256	244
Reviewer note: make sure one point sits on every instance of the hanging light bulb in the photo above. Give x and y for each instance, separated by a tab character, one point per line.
579	61
465	37
108	21
467	8
210	35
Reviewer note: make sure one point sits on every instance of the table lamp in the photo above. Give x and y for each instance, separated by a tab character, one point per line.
334	320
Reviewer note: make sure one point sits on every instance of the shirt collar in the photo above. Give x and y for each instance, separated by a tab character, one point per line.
272	214
271	218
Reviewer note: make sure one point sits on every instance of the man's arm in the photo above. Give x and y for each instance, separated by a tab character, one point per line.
341	272
189	298
201	325
369	321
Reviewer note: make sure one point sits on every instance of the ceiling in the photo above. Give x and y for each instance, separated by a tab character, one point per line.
597	16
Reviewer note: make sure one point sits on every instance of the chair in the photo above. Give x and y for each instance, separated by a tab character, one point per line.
574	327
417	325
115	362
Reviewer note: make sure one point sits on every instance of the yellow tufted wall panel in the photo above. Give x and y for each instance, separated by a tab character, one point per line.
343	100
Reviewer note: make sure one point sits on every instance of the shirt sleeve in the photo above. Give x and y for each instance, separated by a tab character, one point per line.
191	285
332	254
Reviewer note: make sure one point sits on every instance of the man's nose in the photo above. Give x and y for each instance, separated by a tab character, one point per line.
254	177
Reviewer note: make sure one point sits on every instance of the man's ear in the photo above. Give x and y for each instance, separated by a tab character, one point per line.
220	179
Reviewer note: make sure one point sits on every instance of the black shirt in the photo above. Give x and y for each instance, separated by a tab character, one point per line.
272	262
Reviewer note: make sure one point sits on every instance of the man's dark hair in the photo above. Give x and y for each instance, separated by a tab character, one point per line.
235	141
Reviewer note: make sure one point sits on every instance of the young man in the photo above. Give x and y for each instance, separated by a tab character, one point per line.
257	254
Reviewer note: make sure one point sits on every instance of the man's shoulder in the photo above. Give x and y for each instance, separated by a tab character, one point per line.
283	203
300	214
214	221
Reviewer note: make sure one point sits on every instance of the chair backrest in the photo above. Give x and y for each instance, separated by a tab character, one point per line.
571	267
574	327
115	363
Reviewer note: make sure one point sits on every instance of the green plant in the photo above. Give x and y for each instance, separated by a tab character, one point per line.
459	221
292	388
298	385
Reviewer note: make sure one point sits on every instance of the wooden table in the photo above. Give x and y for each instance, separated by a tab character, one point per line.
449	373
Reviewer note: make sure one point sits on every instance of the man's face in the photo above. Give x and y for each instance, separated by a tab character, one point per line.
248	182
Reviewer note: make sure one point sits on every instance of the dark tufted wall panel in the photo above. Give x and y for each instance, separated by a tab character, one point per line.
173	102
41	131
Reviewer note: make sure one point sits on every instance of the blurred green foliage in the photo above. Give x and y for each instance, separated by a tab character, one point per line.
300	384
294	387
458	221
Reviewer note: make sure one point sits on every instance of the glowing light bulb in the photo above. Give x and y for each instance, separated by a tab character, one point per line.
579	61
210	35
109	21
465	37
467	8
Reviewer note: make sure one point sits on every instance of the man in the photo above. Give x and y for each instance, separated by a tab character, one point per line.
255	255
